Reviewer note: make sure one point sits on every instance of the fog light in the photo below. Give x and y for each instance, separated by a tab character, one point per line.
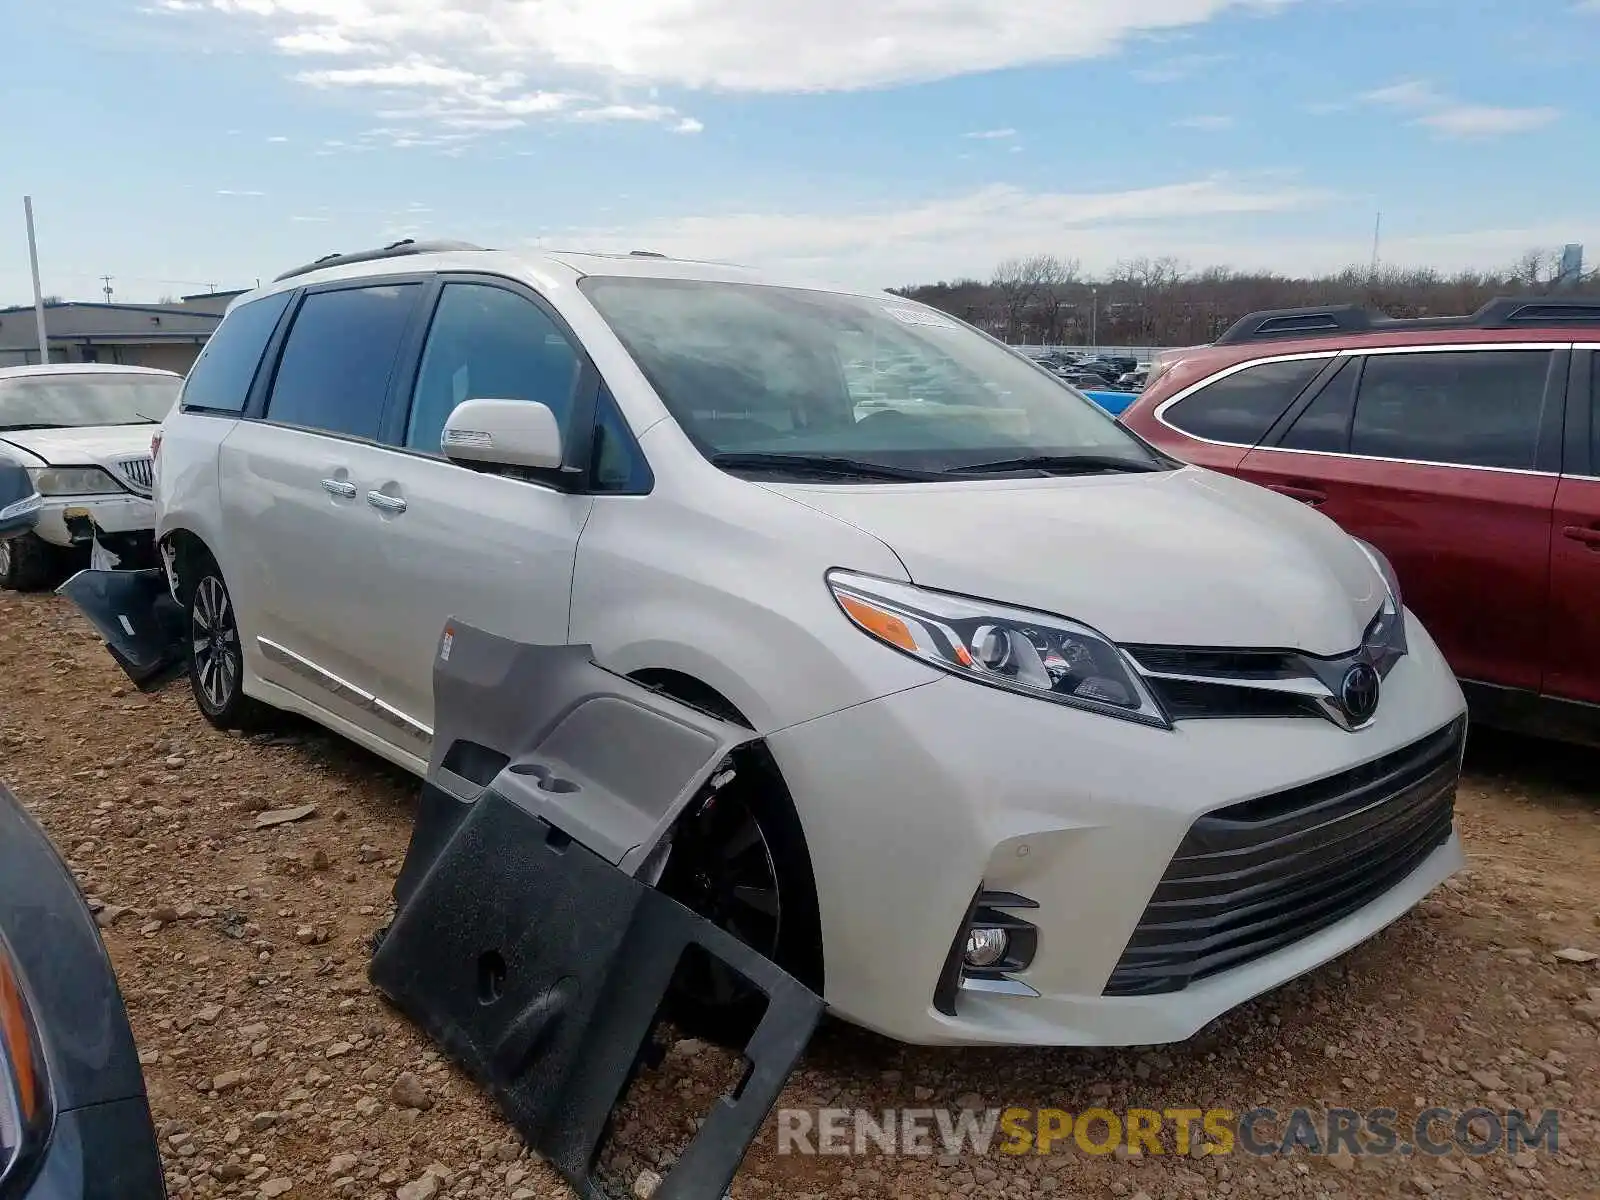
986	947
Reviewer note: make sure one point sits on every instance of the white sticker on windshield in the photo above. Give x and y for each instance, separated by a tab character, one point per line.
918	316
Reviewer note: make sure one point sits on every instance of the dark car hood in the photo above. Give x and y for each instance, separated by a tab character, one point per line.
66	974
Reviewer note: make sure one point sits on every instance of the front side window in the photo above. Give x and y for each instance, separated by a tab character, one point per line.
334	373
1477	408
487	343
1241	407
751	369
220	379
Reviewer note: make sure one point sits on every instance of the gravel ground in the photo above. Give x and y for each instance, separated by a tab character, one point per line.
274	1070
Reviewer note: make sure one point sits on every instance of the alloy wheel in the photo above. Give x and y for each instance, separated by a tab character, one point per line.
214	642
721	867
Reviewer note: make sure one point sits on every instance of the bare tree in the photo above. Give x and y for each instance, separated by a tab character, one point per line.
1157	301
1019	280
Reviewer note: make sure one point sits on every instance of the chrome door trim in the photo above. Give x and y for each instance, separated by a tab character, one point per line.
342	688
342	488
386	502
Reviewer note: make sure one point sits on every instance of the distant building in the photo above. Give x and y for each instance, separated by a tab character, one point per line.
143	335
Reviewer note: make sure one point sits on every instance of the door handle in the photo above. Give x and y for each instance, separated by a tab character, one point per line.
339	487
386	503
1305	495
1589	536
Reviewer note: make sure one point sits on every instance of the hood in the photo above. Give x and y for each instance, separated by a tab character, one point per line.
81	447
1181	558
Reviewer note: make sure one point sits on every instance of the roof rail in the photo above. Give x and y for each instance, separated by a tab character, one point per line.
646	254
398	249
1505	312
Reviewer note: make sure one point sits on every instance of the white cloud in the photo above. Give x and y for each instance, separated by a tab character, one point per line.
1453	118
467	51
991	135
319	41
277	137
237	192
689	125
1408	93
1482	120
739	45
960	234
1175	70
624	112
413	72
1205	123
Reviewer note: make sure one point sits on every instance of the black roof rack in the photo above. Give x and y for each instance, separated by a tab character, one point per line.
1506	312
646	254
398	249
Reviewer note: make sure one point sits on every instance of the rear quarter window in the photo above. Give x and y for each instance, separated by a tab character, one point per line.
221	377
1241	407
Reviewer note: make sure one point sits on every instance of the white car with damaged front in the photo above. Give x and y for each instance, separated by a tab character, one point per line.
82	431
1057	740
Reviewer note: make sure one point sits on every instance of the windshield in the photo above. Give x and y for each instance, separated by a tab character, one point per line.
756	370
70	400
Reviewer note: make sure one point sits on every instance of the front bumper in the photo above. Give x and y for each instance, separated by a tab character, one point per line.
913	801
72	520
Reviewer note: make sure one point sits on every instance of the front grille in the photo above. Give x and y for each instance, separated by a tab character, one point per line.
1254	877
138	473
1192	700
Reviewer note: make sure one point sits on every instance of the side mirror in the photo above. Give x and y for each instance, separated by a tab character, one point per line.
19	503
503	433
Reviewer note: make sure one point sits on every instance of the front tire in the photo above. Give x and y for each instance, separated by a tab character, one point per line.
740	861
28	564
216	658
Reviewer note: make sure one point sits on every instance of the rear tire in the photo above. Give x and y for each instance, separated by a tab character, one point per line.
28	564
216	657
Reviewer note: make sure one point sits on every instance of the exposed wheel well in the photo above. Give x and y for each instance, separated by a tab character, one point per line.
757	769
187	554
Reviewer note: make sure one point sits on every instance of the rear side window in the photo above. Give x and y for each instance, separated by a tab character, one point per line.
1325	424
1241	407
1476	408
220	379
334	373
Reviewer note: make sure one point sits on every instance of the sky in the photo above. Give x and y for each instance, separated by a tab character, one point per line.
181	145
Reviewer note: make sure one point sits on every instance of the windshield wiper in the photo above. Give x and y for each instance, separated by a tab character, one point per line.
823	464
29	425
1060	464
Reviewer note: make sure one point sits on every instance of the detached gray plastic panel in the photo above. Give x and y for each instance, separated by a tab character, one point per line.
601	758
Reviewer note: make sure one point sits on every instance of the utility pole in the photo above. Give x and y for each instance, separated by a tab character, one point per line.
106	279
1377	232
38	292
1094	319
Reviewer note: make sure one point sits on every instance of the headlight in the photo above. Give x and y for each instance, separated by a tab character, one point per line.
25	1111
1036	654
72	481
1384	567
1386	636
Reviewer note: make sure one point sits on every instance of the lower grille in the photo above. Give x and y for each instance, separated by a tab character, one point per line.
1254	877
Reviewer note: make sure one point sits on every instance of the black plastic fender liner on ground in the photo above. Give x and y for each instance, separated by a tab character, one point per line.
143	626
540	967
525	940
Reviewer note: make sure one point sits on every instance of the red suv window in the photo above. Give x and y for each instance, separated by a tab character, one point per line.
1241	407
1476	408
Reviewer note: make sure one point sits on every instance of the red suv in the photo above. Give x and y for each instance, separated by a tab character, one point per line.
1466	448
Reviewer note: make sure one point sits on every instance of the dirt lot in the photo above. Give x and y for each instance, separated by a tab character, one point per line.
274	1070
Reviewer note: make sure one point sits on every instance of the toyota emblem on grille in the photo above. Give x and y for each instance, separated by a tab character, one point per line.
1359	692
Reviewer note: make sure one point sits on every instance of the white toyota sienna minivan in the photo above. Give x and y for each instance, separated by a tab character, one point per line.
1058	740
